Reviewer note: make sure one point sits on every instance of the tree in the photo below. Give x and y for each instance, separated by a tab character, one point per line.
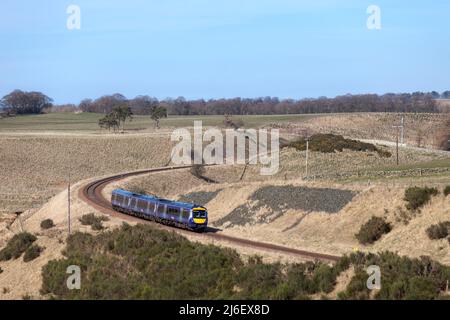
21	102
109	121
445	94
157	113
143	104
122	113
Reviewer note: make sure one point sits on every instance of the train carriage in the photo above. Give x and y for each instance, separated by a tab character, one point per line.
175	213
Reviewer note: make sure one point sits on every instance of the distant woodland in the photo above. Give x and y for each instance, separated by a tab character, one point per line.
20	102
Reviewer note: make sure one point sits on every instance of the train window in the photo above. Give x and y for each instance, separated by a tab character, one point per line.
199	214
133	202
185	213
151	206
174	211
161	208
142	204
119	198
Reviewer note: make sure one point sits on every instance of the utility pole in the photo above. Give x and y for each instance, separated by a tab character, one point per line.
307	151
68	203
402	126
396	127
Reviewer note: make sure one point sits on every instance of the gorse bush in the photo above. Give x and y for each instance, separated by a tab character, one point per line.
94	221
32	253
141	262
446	190
402	277
439	231
417	197
373	230
17	245
330	143
47	224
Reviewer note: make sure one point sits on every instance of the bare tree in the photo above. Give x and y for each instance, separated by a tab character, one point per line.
21	102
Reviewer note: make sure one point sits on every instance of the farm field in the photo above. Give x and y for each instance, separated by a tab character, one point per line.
88	122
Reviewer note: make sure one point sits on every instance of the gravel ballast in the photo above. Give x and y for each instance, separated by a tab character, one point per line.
276	200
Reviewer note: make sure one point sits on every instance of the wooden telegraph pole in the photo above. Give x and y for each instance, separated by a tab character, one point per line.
68	203
401	126
307	151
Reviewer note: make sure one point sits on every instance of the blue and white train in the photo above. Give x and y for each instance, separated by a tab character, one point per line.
175	213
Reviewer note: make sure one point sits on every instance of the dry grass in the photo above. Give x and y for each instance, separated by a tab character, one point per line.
420	129
34	168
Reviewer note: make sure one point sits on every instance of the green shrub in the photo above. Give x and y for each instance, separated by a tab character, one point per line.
421	289
417	197
373	230
47	224
32	253
143	262
97	225
439	231
446	190
17	245
330	143
94	221
402	277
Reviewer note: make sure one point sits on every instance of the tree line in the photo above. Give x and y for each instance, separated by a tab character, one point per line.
21	102
416	102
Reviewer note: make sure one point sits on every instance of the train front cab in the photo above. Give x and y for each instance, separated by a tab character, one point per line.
199	220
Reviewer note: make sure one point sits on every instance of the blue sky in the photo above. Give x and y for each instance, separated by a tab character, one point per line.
223	48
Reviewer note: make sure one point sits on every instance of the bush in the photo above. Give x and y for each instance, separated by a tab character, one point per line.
94	221
402	277
446	190
373	230
47	224
32	253
16	246
142	262
330	143
439	231
417	197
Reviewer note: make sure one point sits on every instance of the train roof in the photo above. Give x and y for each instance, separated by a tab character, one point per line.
153	198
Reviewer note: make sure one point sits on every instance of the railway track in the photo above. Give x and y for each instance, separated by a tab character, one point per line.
91	193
